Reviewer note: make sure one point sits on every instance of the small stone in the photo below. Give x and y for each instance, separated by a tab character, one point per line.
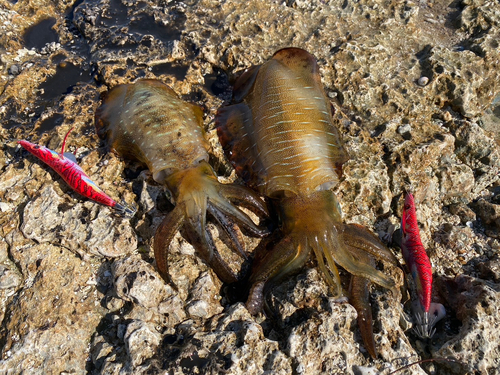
141	340
114	304
198	309
447	116
404	129
423	81
4	207
14	70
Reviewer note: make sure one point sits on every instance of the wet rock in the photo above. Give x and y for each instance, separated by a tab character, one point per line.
108	311
490	270
488	212
232	343
463	212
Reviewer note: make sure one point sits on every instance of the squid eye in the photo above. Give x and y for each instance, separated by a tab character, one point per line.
36	147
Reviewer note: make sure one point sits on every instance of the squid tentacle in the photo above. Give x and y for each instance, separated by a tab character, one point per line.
202	241
314	224
197	191
365	246
229	229
359	297
287	256
245	198
238	216
360	237
346	260
320	249
164	235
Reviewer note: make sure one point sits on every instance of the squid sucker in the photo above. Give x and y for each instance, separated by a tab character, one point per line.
279	134
148	122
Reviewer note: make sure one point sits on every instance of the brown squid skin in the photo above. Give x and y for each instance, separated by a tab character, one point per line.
279	135
146	121
359	297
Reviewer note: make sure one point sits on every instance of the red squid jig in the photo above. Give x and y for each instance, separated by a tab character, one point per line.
65	165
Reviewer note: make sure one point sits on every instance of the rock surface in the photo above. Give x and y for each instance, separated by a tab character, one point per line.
416	88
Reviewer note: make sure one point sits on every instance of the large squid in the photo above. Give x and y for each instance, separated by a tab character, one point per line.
147	121
280	137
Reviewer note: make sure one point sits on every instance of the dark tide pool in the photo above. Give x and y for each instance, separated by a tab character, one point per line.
37	36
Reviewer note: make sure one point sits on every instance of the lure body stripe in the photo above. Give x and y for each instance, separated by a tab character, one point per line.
414	253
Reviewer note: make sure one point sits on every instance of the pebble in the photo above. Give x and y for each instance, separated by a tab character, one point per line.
198	309
447	116
423	81
14	70
404	129
5	207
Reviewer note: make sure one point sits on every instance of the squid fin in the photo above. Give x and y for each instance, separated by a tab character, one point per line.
234	127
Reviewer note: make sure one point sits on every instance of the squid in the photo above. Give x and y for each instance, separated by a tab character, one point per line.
147	121
278	133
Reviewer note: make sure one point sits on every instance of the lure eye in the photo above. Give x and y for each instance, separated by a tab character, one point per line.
36	147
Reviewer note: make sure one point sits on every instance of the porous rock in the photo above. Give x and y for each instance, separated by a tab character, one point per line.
50	219
476	303
48	325
78	289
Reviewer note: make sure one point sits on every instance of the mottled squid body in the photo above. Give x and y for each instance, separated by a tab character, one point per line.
146	121
417	260
65	165
280	137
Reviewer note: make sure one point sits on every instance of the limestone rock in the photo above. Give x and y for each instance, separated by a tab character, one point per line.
49	324
79	292
475	303
49	219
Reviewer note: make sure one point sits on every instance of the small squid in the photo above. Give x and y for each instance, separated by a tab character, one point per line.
147	121
280	137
